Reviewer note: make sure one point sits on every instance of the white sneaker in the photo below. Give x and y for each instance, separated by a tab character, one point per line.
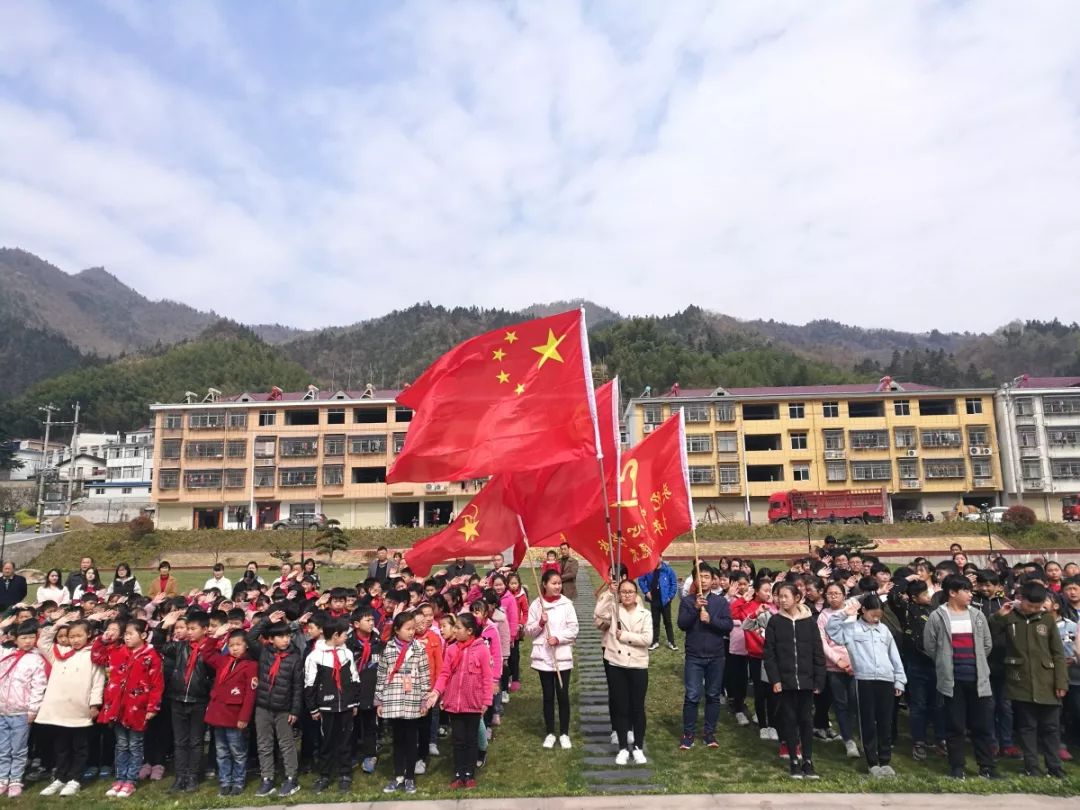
630	737
564	741
623	757
639	757
852	749
71	788
774	735
764	734
549	741
421	767
742	719
433	750
505	698
53	788
614	738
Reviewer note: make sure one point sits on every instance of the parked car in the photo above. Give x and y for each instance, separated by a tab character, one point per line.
301	520
996	515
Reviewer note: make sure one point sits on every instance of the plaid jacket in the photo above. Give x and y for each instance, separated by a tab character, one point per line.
403	696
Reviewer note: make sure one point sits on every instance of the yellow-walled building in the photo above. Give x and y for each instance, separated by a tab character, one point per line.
930	448
261	459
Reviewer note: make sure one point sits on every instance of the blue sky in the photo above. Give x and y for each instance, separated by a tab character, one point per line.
911	165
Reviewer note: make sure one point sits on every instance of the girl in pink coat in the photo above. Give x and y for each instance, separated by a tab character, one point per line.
466	687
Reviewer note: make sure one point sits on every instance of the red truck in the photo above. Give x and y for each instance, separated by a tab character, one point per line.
840	506
1070	508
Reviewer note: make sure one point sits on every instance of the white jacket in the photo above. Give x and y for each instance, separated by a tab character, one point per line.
75	684
632	650
562	624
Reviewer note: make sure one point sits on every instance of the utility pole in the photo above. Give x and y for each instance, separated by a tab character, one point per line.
74	453
49	409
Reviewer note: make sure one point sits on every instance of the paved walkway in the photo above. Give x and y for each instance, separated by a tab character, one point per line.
715	801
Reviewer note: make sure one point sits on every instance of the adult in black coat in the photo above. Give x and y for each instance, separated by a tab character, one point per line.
12	587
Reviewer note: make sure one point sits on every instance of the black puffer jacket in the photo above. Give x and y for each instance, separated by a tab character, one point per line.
175	658
794	657
286	692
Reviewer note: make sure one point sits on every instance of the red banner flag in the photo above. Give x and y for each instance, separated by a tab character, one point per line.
511	399
653	501
485	526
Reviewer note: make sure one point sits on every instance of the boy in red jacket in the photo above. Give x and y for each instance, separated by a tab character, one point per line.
232	702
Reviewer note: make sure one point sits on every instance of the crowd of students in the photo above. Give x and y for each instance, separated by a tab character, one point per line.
99	681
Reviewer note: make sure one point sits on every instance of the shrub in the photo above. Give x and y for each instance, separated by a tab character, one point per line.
140	527
1018	517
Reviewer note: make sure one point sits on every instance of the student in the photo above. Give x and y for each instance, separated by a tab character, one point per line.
132	697
402	685
551	563
232	701
988	597
957	637
366	647
429	638
72	701
626	642
464	686
795	666
1035	676
838	671
508	604
924	703
752	615
330	694
310	734
517	590
279	700
23	676
705	619
736	668
552	616
660	586
879	675
187	686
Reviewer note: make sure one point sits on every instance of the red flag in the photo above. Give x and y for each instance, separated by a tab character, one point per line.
485	526
653	500
512	399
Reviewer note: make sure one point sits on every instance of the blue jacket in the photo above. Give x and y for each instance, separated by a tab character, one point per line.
669	583
870	647
705	640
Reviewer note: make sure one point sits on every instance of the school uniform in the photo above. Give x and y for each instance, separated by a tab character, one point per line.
330	688
187	686
232	701
366	653
279	695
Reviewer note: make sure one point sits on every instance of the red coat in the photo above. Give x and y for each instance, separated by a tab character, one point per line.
465	680
232	697
135	684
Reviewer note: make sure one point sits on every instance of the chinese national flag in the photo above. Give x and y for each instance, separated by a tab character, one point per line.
653	501
512	399
485	526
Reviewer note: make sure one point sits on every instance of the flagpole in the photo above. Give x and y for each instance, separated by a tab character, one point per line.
615	401
539	595
689	496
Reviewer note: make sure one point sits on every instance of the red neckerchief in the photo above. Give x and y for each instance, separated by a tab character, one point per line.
60	655
376	604
337	668
403	648
193	659
365	651
276	666
550	599
16	657
224	673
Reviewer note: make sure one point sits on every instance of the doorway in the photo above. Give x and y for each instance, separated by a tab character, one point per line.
208	518
268	513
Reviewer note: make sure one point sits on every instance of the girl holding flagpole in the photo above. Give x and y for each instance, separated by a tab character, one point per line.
553	626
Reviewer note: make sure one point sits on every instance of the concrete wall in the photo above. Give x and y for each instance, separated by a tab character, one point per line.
117	511
173	516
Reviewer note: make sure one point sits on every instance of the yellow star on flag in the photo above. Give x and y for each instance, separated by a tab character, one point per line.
498	354
520	389
504	377
510	337
471	526
550	350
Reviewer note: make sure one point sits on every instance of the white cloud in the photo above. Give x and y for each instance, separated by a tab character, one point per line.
906	165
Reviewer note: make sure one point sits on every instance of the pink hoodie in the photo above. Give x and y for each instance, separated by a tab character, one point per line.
836	655
465	680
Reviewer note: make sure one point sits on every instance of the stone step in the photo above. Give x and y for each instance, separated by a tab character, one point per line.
604	787
626	774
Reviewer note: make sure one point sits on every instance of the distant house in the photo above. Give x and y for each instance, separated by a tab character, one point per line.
129	468
28	451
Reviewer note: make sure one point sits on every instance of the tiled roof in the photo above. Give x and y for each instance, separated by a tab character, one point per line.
322	396
812	390
1048	382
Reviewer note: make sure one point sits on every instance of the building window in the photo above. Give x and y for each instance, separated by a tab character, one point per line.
652	414
699	444
206	420
729	473
237	419
306	447
334	445
235	479
265	447
905	438
871	470
131	473
861	409
869	439
830	410
369	416
367	445
834	439
298	476
696	413
267	418
946	468
335	416
758	412
236	448
973	405
798	442
725	412
1061	405
980	468
1063	438
264	478
403	415
902	407
761	442
978	436
399	442
1031	469
702	475
800	472
206	449
169	479
173	421
202	479
333	475
727	442
99	491
125	490
1065	468
170	448
1024	407
796	410
942	438
937	407
369	475
908	468
1027	437
835	471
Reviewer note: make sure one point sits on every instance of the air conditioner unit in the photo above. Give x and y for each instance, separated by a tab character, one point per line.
648	429
975	451
435	487
1036	484
834	455
909	483
911	453
987	451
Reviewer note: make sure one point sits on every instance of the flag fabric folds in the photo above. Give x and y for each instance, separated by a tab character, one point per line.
510	400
